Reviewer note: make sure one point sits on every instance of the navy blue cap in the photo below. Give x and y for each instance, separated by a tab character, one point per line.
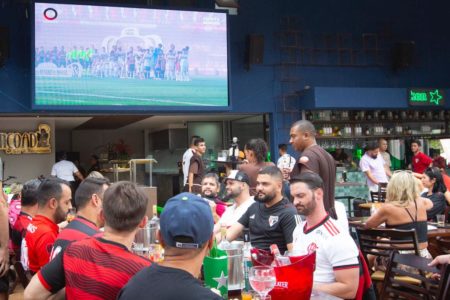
186	215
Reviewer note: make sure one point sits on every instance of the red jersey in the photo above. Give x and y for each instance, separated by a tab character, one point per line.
93	268
420	162
40	236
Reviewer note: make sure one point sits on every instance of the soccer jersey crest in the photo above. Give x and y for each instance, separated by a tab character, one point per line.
273	220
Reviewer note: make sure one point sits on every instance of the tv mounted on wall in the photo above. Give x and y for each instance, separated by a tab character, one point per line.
108	57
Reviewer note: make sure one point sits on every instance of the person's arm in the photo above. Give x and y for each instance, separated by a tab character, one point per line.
79	175
4	233
378	218
440	260
370	176
346	284
36	291
447	197
387	170
234	231
427	203
190	181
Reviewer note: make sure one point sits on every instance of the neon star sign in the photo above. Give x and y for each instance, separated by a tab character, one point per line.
426	97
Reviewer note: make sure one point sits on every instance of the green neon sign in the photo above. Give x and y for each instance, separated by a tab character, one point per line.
426	97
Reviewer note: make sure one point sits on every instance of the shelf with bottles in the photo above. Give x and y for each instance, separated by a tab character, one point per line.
376	116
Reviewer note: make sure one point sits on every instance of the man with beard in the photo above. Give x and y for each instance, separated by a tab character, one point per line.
238	189
54	201
337	264
89	200
314	159
272	218
373	166
210	191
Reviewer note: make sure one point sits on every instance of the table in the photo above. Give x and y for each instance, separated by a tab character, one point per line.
433	246
368	205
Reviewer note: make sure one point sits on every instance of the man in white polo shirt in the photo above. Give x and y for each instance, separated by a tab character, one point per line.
373	166
238	189
337	264
66	170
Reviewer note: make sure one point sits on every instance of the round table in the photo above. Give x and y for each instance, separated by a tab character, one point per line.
368	205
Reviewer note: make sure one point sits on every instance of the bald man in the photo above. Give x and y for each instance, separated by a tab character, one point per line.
314	159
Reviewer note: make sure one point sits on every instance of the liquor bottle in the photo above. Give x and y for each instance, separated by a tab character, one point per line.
247	259
278	259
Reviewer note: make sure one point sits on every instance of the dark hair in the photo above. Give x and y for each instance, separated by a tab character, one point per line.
193	138
282	147
259	147
198	141
50	188
435	173
87	188
305	126
272	171
62	155
30	192
214	176
416	142
372	146
311	179
124	206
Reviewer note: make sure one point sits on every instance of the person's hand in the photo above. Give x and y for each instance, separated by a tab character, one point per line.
440	260
4	260
63	225
286	172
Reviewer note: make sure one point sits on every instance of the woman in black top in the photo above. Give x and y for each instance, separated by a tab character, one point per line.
433	181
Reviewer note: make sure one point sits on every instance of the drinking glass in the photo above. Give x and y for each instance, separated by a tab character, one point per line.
440	220
262	279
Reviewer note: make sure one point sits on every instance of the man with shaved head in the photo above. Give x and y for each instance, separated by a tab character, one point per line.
315	159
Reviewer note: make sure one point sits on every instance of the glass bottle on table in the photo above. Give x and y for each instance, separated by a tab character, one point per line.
247	259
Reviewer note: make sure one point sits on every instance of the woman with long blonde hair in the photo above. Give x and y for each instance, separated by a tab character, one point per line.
404	209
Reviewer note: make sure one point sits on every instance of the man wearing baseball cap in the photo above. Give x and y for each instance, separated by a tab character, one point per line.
186	235
238	189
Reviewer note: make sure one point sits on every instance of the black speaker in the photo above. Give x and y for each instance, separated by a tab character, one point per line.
4	45
254	50
403	54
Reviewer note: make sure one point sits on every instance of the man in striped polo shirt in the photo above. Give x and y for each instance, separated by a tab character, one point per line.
337	264
88	200
98	267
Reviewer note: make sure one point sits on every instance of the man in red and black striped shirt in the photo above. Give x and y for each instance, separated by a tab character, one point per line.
88	199
97	268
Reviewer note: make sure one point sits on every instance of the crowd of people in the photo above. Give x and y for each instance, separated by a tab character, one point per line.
121	61
290	204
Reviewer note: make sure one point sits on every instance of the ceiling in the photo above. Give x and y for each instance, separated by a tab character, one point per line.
141	122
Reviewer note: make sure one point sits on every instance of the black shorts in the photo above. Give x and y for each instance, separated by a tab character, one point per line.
4	284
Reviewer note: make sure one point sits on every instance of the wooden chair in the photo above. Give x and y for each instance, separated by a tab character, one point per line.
444	288
382	242
443	243
410	265
379	196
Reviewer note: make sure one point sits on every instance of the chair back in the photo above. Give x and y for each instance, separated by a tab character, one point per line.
382	242
412	266
380	195
444	285
443	244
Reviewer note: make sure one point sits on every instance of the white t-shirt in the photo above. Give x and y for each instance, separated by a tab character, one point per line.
342	218
64	170
335	249
186	163
376	167
286	161
233	213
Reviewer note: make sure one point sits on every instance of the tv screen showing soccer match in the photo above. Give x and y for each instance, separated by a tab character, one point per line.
105	56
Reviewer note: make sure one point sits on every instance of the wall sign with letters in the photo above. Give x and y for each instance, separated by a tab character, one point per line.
26	142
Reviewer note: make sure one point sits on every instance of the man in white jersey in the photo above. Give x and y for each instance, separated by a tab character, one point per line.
337	264
187	159
238	189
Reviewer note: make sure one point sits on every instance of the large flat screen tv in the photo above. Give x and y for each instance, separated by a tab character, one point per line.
108	57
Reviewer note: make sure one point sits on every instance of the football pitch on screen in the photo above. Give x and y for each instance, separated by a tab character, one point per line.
94	91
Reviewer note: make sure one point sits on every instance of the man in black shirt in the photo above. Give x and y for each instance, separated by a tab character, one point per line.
187	236
272	218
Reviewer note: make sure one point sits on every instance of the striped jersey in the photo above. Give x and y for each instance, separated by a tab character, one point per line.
93	268
79	229
335	248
